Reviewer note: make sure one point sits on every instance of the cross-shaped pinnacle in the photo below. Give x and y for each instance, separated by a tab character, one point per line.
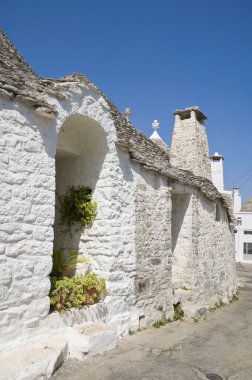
127	113
155	124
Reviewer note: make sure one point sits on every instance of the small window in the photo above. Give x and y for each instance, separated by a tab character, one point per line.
247	232
247	248
239	221
217	212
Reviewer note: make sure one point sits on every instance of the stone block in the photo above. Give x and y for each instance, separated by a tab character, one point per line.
32	146
42	266
3	293
9	228
91	339
6	273
34	362
38	308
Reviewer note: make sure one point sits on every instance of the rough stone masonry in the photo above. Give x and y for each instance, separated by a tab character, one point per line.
157	238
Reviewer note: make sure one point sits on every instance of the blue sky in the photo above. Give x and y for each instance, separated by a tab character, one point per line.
153	56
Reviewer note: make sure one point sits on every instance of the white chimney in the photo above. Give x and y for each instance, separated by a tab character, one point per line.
217	171
236	200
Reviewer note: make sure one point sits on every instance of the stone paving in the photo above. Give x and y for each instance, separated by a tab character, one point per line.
218	347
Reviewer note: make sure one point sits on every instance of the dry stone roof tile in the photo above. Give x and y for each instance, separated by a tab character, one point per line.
18	80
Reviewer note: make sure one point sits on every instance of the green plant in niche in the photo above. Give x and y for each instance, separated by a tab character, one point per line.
76	292
63	264
76	206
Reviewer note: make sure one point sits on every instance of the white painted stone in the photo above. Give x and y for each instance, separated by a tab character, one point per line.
2	249
91	339
34	363
130	242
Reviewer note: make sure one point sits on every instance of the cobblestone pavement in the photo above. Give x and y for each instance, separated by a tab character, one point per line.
219	347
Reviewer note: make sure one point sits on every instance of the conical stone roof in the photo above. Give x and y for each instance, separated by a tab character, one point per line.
17	79
247	206
159	141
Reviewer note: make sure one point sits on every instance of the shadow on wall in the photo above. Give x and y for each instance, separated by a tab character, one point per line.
81	150
182	267
125	165
180	204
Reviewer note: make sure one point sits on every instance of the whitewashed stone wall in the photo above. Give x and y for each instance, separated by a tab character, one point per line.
153	247
109	242
211	275
26	216
215	251
130	241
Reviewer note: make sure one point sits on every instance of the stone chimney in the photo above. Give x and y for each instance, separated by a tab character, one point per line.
217	171
189	149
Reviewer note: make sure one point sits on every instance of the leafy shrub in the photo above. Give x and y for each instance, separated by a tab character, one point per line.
63	264
76	206
76	292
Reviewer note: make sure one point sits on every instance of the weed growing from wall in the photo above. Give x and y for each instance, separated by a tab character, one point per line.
233	298
178	312
77	207
217	305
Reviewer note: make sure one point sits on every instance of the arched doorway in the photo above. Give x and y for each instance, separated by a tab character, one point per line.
80	154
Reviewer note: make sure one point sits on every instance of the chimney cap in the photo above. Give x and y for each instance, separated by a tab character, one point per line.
217	157
187	111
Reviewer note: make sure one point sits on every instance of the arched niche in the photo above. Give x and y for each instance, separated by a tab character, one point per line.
80	154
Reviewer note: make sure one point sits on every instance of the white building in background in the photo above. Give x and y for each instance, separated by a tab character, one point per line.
243	232
243	213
